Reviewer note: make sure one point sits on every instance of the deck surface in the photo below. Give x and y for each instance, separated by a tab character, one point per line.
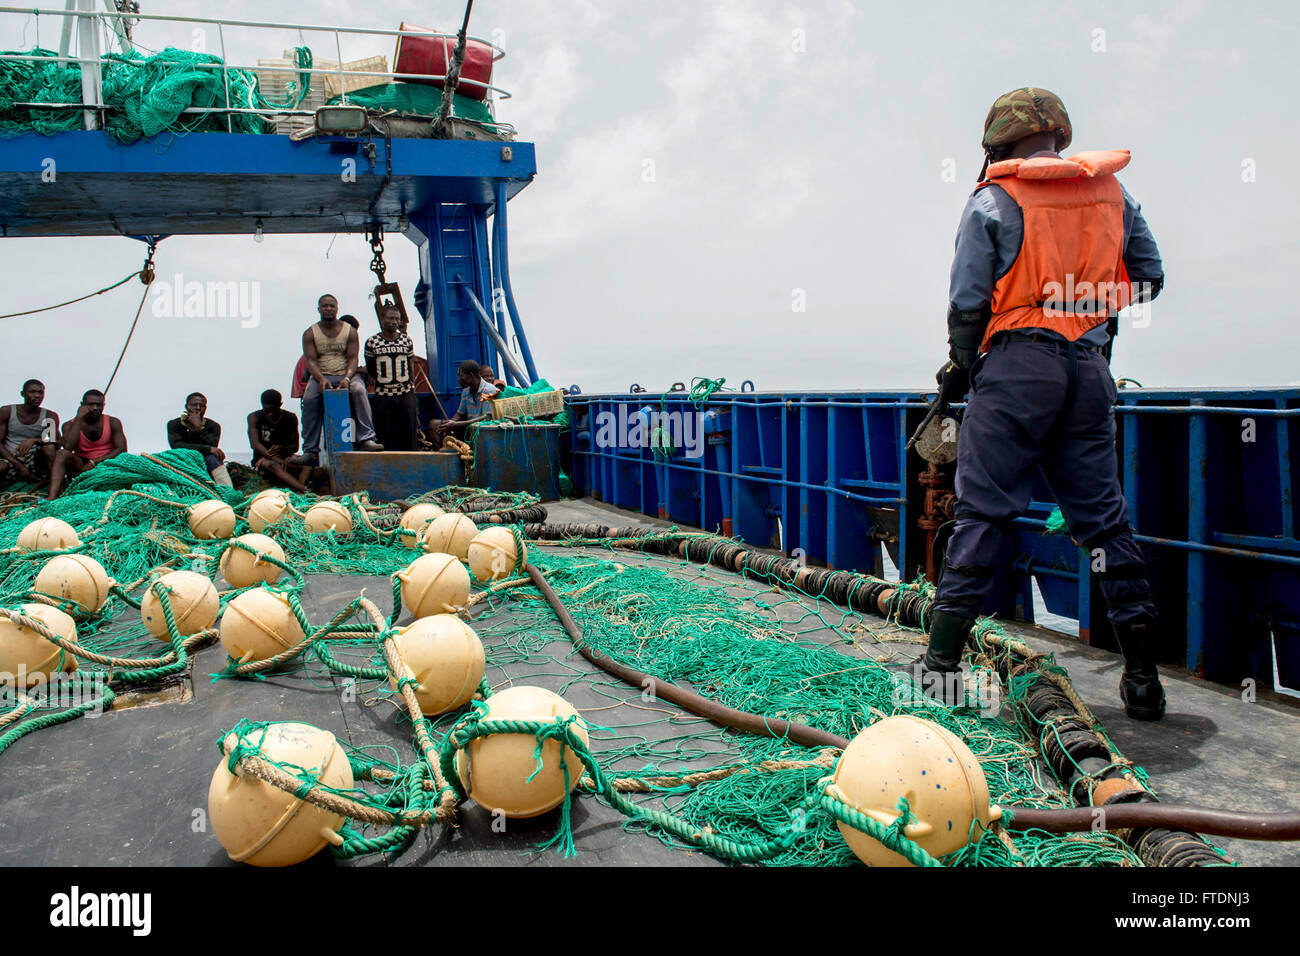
130	787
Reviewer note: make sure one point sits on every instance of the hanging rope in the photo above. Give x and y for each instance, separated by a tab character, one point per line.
453	76
88	295
146	274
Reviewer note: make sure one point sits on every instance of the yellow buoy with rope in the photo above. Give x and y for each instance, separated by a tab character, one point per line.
262	825
48	534
75	577
450	534
434	584
193	600
266	508
258	624
495	553
244	569
328	516
500	771
928	766
446	657
211	519
413	522
28	658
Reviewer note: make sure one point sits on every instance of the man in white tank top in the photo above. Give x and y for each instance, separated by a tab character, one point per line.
29	436
332	351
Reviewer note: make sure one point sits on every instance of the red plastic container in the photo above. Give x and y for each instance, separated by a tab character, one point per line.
429	57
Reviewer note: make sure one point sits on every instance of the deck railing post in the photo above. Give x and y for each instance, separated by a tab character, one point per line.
88	50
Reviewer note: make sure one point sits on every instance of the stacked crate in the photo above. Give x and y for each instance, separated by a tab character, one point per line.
276	73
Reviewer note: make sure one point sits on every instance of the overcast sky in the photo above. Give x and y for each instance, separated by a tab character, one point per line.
706	166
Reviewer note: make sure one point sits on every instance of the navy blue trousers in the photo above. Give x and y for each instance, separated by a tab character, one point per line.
1046	405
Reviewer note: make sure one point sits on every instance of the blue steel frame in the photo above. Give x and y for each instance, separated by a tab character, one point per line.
440	192
1209	475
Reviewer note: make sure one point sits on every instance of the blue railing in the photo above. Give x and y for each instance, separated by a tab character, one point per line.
1208	473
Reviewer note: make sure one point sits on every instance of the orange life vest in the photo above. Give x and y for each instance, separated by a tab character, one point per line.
1069	275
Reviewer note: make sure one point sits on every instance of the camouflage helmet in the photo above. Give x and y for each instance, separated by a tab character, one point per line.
1024	112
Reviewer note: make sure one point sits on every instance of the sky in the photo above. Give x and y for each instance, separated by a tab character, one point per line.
748	190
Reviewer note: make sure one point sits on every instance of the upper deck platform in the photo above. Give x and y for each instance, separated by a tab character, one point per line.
81	183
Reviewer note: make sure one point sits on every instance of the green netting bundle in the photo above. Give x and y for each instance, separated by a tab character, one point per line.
541	385
145	95
178	468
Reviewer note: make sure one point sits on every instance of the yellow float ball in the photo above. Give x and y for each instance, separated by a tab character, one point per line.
444	654
267	508
242	569
328	516
259	624
413	522
493	554
434	584
211	519
48	534
495	769
26	657
450	534
938	775
76	578
193	600
262	825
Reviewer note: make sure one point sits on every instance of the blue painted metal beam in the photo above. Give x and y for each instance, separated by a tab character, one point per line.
213	183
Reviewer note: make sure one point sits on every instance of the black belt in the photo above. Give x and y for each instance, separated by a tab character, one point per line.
1044	340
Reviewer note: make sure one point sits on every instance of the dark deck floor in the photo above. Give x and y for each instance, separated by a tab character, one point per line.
130	787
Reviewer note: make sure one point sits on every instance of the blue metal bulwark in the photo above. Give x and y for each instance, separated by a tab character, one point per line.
1209	475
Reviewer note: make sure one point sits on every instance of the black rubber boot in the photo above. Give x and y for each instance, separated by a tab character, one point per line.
940	674
1139	688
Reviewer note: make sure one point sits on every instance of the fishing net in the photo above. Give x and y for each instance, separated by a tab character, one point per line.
802	647
145	95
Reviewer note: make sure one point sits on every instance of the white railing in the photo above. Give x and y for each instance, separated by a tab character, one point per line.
91	23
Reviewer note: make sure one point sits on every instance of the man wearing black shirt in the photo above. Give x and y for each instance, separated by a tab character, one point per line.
273	436
389	360
200	434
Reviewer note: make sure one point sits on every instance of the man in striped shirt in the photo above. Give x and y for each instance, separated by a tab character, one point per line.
390	362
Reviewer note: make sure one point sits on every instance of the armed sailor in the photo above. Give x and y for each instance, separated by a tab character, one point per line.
1037	368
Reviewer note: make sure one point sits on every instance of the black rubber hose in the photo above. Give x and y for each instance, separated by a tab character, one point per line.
1171	816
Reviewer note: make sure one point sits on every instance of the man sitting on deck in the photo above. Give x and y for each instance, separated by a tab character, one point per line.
90	438
29	436
197	433
273	436
475	402
331	349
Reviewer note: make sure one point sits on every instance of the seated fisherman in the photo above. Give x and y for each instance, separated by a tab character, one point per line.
197	433
475	402
331	348
388	360
273	436
89	439
29	436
